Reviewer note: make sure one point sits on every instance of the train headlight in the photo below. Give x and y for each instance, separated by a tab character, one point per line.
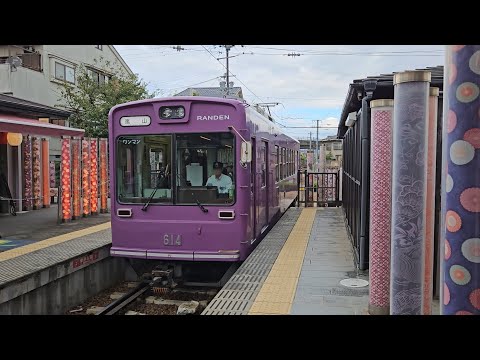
172	112
166	113
180	113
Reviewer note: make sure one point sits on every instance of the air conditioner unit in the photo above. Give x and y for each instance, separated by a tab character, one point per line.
351	118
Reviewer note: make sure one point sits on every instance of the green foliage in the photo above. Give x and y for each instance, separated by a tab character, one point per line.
91	101
330	156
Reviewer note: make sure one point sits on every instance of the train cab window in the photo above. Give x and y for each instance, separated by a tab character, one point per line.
144	169
205	169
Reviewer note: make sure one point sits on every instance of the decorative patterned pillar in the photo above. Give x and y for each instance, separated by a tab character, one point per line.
86	176
45	174
27	173
380	205
461	180
66	181
103	155
430	198
409	173
76	179
322	179
94	176
52	174
36	174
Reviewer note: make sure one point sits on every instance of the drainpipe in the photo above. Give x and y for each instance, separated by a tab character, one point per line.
369	86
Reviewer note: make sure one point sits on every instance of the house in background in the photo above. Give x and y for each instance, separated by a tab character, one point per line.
333	151
35	73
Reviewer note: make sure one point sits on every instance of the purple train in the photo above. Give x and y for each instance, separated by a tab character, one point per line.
196	179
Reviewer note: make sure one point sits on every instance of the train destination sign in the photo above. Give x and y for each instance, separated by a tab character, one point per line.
135	120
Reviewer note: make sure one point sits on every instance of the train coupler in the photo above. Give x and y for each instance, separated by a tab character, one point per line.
162	281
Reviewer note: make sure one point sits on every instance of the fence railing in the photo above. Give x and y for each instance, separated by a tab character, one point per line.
319	189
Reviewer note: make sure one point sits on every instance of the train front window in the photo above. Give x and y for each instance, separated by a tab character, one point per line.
144	168
205	170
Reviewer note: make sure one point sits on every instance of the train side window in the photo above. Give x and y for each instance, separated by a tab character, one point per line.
263	159
277	169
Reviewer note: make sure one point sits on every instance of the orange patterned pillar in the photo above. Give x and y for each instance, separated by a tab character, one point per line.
36	174
27	173
86	176
45	174
65	181
76	179
103	175
94	176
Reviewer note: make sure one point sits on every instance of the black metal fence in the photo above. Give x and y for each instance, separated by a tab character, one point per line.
351	184
318	189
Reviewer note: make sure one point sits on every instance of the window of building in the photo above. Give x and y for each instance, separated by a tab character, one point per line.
98	77
99	47
64	73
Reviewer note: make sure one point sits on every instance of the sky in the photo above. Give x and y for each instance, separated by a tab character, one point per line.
310	82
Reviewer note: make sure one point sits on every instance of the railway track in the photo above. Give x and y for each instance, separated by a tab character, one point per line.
141	299
126	299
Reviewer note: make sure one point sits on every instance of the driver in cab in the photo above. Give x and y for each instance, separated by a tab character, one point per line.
221	181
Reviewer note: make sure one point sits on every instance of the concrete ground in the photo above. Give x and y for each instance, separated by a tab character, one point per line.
36	225
328	260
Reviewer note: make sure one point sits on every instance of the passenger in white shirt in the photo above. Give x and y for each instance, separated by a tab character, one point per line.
221	181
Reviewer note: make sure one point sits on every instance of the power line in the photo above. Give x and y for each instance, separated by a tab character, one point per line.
241	82
311	51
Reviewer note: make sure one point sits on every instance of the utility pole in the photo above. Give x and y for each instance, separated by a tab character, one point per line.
316	156
310	141
227	75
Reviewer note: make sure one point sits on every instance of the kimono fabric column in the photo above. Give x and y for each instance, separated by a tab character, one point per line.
430	194
321	179
86	176
409	173
66	182
76	179
380	205
94	176
27	173
461	208
103	176
36	174
45	174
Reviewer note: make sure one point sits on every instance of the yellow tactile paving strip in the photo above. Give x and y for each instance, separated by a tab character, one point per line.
10	254
278	291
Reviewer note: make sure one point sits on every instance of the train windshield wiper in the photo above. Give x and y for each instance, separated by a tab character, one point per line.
205	210
147	203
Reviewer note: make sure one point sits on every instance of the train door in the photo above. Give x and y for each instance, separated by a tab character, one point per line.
253	191
263	198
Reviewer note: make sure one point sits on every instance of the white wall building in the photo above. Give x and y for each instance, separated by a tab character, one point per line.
45	67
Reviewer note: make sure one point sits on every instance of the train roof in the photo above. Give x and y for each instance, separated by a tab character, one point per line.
201	98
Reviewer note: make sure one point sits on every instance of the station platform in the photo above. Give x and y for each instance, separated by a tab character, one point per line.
46	276
297	269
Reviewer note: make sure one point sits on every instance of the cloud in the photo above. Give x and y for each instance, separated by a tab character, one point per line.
311	86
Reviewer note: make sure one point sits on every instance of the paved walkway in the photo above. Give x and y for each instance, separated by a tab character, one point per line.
328	260
36	225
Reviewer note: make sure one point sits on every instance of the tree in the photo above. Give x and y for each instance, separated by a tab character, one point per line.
92	97
330	156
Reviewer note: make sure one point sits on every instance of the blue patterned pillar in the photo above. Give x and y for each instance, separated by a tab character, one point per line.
409	174
461	182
